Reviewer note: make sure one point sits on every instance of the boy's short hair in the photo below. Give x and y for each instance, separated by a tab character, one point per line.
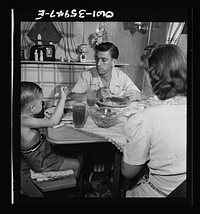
30	91
108	46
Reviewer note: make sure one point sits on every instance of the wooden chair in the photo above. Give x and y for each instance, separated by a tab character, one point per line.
33	188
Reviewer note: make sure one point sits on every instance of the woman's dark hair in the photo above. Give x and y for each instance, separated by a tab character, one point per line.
167	69
108	46
29	92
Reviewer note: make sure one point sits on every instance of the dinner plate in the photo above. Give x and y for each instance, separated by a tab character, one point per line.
67	117
48	112
124	103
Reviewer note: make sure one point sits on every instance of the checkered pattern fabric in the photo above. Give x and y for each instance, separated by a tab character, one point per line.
67	46
26	43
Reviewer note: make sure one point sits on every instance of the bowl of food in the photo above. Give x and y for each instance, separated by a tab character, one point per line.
104	117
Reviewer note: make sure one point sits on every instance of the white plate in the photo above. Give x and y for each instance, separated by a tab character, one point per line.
67	117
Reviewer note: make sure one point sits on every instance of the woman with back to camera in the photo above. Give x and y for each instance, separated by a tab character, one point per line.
156	137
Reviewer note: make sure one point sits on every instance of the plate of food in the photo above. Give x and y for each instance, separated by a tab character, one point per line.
114	102
67	116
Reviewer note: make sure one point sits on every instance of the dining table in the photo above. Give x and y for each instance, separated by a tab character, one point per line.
66	136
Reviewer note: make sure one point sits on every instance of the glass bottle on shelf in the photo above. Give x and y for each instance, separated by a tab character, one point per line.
36	55
41	56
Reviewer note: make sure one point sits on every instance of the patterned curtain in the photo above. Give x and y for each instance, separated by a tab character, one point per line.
26	43
66	48
174	31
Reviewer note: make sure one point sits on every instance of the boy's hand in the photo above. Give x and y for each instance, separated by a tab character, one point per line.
64	92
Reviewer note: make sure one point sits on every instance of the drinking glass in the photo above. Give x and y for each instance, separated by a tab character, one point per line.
79	114
91	97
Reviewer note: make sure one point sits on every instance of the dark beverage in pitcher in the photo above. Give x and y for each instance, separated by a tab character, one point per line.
79	113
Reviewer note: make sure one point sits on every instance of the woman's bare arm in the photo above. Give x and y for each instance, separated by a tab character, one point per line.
130	171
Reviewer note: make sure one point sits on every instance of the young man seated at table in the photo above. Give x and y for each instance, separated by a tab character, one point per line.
105	78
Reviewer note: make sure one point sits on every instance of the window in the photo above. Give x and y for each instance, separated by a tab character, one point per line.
47	31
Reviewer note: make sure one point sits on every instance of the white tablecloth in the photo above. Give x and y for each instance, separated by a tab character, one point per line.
114	134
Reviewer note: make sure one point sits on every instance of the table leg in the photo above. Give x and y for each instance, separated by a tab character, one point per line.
116	173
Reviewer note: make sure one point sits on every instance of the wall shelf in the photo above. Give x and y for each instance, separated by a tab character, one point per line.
88	63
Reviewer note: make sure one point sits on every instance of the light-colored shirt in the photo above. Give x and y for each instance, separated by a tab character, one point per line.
90	78
158	135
